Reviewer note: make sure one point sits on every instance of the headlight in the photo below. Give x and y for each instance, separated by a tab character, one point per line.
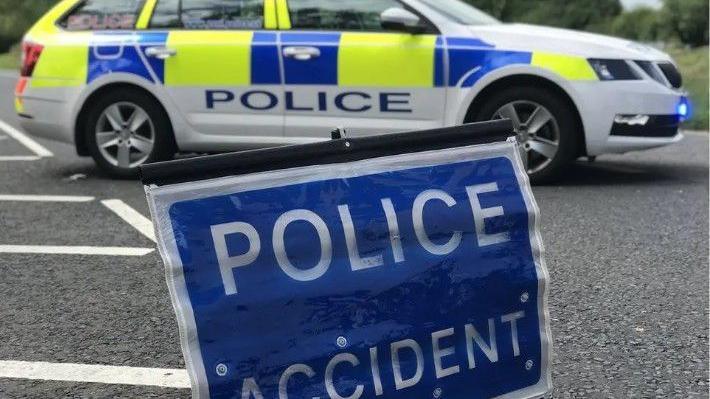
613	69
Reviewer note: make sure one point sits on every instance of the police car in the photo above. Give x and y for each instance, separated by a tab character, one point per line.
136	81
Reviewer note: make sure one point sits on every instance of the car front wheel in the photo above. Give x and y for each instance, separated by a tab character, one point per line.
544	124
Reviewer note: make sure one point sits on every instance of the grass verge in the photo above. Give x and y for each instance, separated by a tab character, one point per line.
693	64
10	60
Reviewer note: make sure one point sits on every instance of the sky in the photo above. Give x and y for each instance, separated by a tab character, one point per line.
635	3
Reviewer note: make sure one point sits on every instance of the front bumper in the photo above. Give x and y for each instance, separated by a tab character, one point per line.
601	104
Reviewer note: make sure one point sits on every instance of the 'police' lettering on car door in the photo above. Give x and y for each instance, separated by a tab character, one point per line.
350	101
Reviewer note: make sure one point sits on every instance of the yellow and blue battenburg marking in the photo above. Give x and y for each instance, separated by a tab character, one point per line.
212	58
322	70
265	59
125	53
471	59
243	58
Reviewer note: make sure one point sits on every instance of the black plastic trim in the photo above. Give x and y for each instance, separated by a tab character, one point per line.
662	126
650	70
327	152
672	74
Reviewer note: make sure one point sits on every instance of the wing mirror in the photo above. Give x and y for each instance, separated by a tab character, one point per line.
399	19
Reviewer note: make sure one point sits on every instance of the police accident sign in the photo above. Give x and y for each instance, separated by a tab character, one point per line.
410	276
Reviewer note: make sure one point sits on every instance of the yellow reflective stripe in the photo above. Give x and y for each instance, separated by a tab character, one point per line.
64	60
146	14
47	24
19	106
569	67
270	19
45	83
209	58
386	60
283	15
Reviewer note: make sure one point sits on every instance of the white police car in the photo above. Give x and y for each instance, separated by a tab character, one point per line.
135	81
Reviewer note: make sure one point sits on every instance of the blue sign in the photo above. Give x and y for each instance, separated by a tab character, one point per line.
412	276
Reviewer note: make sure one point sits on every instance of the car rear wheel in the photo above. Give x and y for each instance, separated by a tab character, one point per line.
544	124
126	129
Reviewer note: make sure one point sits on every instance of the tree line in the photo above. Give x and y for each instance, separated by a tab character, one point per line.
17	16
684	21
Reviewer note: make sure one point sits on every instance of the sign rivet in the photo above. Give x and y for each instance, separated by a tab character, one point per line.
524	297
437	393
529	365
342	342
221	369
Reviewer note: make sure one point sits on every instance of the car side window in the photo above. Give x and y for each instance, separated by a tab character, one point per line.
103	15
208	14
347	15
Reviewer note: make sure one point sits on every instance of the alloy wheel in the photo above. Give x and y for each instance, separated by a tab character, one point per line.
536	129
125	135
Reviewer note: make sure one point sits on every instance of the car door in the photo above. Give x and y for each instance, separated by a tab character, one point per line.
342	69
221	68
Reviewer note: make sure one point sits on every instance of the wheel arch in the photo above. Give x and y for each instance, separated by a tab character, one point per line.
82	114
525	79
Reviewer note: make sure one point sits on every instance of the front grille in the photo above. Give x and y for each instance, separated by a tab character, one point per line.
652	71
671	73
664	73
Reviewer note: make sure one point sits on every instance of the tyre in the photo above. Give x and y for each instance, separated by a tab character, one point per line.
545	125
125	129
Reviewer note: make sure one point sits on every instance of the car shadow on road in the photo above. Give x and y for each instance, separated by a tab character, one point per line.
85	166
83	170
581	173
610	172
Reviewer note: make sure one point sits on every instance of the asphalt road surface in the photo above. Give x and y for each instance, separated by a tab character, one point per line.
626	245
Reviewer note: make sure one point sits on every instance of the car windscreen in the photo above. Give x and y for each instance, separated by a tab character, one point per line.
460	12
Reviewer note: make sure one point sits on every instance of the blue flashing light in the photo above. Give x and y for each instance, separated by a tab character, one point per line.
683	109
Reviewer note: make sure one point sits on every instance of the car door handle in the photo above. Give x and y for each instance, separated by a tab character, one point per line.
160	53
301	53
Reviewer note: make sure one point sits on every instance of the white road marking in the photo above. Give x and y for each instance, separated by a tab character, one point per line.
9	158
132	217
122	375
32	145
74	250
44	198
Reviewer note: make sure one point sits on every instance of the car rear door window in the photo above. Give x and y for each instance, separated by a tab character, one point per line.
343	15
208	14
103	15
